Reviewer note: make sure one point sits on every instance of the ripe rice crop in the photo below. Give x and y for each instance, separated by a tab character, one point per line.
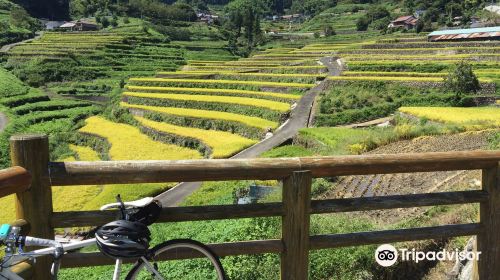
285	55
395	74
214	91
222	82
268	104
395	79
489	116
223	144
263	67
236	73
85	153
128	143
206	114
385	78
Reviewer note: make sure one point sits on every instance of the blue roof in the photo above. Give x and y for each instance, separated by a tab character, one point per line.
465	31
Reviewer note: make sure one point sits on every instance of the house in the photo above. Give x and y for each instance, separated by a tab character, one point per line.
493	9
51	24
207	18
293	17
419	13
79	25
470	34
406	22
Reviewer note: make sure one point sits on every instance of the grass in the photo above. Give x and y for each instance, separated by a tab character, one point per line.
128	143
10	85
471	117
223	144
214	91
268	104
206	114
287	151
341	141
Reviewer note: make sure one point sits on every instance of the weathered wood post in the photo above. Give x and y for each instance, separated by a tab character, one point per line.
31	151
295	226
488	243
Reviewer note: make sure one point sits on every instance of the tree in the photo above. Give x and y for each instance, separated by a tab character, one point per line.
242	26
462	80
114	22
104	22
362	24
20	18
329	31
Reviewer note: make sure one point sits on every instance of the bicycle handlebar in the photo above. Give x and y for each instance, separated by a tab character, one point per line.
40	242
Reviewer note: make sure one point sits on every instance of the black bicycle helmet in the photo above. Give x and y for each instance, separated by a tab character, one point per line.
123	239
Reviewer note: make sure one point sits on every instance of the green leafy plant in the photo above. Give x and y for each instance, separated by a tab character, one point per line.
462	80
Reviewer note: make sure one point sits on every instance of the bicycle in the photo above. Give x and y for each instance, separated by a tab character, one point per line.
125	238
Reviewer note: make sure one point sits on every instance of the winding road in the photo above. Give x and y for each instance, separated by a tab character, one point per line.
6	48
3	121
299	119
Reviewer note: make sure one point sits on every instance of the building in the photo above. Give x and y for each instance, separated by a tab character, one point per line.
493	9
419	13
471	34
51	24
293	18
207	18
79	25
406	22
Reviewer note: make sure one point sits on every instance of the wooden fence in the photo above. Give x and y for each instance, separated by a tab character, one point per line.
34	204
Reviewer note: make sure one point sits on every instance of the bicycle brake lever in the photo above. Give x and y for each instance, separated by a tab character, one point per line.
122	206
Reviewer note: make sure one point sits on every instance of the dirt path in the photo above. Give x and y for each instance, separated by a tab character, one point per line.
299	118
3	121
369	123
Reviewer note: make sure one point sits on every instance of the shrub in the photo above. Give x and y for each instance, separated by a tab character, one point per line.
461	79
362	24
357	148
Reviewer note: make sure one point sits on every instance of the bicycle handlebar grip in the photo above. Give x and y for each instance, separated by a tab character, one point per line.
33	241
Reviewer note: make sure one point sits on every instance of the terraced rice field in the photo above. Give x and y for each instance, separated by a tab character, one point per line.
127	142
485	116
417	61
106	57
216	113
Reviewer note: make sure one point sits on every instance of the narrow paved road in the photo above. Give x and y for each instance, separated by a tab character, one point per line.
3	121
6	48
298	119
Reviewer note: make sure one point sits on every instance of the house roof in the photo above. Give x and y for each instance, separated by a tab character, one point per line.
465	31
403	18
68	25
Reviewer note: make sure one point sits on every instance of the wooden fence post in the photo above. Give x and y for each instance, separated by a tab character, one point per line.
31	151
488	243
295	226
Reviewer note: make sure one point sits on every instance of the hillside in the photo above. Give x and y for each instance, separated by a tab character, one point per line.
206	80
15	23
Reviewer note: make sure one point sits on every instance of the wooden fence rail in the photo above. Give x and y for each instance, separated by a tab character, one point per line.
31	152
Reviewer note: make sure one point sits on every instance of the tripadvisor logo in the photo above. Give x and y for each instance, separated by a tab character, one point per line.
387	255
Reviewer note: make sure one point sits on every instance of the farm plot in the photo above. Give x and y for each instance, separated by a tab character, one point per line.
219	110
127	142
471	117
417	61
223	92
223	144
